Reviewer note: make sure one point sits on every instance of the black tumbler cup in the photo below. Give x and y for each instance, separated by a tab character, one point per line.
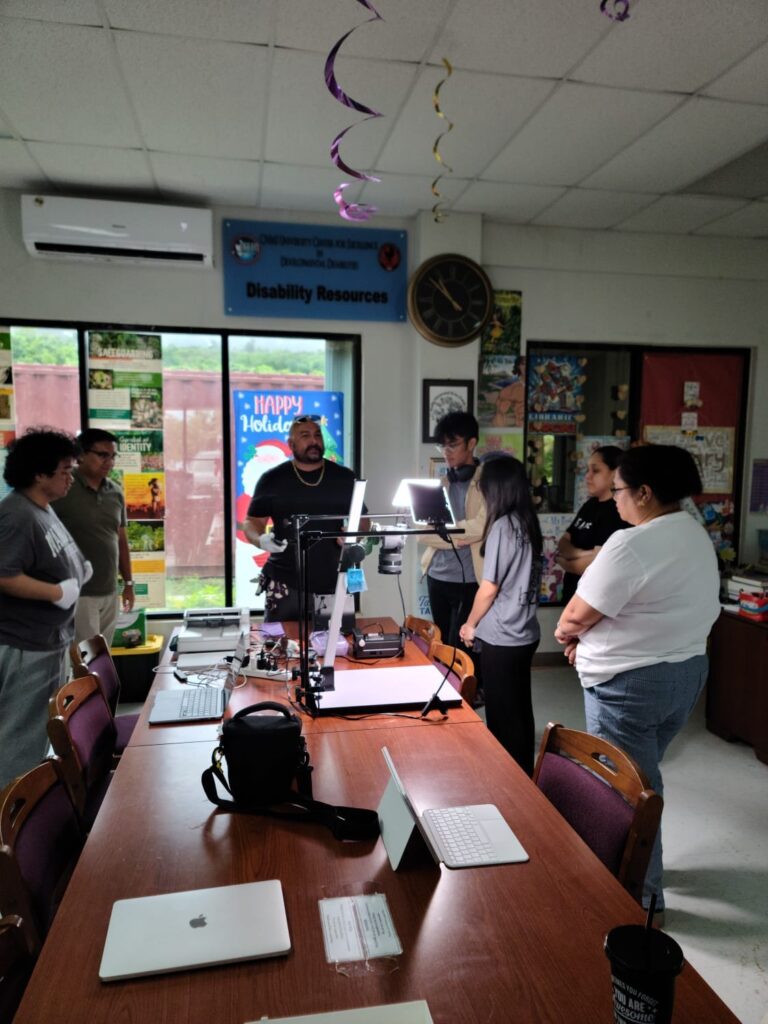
644	965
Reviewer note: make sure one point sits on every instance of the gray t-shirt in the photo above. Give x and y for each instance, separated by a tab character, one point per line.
35	542
510	562
445	565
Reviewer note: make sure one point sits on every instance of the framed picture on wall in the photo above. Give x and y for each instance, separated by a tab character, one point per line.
439	397
438	468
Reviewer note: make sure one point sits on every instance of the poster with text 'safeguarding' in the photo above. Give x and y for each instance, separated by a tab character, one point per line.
313	271
261	422
125	397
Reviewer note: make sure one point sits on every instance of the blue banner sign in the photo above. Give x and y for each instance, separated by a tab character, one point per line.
314	272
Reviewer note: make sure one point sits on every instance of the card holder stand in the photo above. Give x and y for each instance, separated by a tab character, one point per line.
359	934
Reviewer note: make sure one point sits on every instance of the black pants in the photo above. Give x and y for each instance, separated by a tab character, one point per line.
451	604
508	707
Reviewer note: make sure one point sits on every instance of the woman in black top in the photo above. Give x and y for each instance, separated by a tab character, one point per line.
595	521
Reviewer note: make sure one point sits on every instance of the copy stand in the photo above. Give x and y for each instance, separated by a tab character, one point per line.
314	681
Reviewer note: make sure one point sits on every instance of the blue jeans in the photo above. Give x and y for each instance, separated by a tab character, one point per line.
642	711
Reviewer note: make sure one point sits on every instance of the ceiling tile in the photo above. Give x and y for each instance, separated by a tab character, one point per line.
745	177
80	166
748	81
470	100
681	45
287	187
405	33
18	169
59	83
577	130
241	21
73	12
750	222
298	96
693	140
404	195
514	203
679	215
204	98
584	208
206	179
542	39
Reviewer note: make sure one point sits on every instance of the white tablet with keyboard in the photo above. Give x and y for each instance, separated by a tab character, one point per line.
459	837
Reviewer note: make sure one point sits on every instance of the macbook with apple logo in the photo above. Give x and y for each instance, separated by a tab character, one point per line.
179	931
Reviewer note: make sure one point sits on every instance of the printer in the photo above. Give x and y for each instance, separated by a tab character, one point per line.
212	629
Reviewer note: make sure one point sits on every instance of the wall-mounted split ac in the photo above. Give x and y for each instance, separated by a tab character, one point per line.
56	227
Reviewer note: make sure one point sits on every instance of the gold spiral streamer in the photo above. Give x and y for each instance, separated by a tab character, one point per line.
437	213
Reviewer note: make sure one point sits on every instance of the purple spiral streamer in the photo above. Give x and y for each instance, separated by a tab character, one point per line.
616	10
350	211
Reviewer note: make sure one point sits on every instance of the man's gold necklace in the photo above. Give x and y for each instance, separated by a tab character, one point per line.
306	482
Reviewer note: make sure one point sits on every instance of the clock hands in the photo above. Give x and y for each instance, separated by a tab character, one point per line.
438	283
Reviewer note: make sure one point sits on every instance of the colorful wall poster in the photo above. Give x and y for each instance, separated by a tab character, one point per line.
144	495
139	451
501	368
125	381
262	420
6	436
555	393
146	542
711	447
553	526
509	441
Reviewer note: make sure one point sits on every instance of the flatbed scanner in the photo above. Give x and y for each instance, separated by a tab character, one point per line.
212	629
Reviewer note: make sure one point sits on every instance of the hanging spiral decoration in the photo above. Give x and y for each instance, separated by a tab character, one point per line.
350	211
616	10
437	213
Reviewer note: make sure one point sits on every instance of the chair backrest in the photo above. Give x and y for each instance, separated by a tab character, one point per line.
604	796
82	732
462	670
423	632
40	840
93	656
16	962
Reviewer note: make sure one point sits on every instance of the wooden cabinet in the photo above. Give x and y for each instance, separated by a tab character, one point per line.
737	690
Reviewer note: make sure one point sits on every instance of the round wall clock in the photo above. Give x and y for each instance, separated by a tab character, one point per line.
450	299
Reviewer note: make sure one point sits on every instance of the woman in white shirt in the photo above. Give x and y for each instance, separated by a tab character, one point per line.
637	627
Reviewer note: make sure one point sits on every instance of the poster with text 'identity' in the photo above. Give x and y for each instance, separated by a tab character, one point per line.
262	421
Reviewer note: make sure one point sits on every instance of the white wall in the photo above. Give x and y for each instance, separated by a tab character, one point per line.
577	286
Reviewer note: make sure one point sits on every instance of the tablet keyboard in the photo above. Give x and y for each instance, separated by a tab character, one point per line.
201	702
460	835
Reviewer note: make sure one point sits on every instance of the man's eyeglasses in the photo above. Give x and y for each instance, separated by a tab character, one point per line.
450	447
615	490
104	456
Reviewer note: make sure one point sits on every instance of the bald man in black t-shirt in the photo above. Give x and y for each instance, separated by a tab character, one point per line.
308	484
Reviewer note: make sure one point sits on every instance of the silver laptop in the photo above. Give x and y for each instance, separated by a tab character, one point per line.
459	837
200	703
180	931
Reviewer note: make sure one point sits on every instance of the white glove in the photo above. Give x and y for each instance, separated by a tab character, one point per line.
268	542
70	589
87	571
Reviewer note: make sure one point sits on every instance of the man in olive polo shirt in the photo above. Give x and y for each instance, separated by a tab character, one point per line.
94	513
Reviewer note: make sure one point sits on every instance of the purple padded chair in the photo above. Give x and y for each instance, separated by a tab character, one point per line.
82	733
40	841
462	670
604	796
92	656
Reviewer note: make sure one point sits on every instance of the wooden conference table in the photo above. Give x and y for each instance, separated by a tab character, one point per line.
515	943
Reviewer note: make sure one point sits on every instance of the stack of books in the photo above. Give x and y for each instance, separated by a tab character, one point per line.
752	579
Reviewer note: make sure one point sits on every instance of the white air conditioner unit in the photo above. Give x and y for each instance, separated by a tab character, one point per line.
55	227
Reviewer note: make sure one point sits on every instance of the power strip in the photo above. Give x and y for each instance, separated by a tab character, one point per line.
280	675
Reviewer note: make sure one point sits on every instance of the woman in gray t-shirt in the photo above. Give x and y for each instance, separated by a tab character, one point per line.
503	616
